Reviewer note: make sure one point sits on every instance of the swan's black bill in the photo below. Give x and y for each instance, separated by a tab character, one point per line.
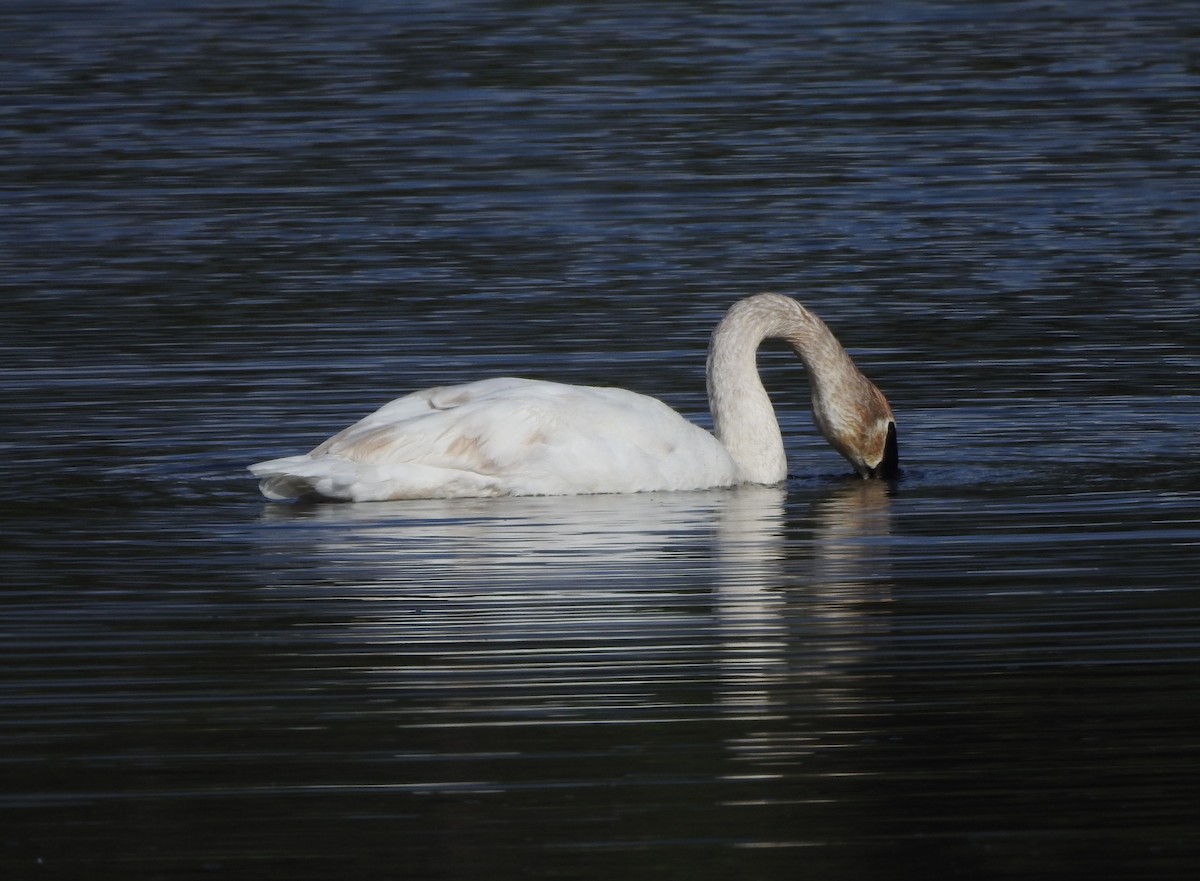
889	467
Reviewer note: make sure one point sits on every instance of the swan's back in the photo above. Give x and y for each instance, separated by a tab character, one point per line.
506	436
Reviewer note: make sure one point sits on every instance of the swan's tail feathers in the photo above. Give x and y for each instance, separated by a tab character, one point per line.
286	488
297	477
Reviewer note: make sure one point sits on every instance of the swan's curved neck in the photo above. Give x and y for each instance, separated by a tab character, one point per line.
744	419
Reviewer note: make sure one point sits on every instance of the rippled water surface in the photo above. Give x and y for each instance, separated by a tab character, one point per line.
229	231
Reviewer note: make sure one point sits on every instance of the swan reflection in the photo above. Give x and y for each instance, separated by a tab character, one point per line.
796	621
614	608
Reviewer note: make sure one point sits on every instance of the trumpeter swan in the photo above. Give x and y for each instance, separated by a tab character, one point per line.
523	437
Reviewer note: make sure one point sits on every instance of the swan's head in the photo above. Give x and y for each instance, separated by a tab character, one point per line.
863	430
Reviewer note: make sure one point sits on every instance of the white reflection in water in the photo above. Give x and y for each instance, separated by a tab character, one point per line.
623	608
750	607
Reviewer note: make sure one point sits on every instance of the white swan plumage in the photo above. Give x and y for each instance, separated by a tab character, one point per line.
523	437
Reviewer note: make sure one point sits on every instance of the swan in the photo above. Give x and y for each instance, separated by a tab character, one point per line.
522	437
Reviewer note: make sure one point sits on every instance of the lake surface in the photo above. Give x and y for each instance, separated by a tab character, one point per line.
230	231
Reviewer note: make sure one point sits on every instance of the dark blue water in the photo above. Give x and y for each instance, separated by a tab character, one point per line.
227	232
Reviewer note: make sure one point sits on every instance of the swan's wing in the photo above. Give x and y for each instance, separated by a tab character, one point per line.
446	427
509	437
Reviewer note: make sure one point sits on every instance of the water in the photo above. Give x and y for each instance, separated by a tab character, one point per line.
229	232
